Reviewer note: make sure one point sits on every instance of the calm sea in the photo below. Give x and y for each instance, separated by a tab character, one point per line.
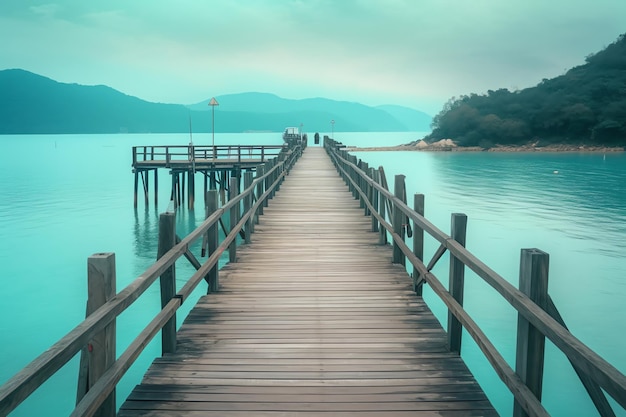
67	197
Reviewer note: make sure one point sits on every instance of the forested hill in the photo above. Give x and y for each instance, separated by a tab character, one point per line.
586	105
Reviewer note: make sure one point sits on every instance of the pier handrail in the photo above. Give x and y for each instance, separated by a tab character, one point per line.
174	153
584	360
14	391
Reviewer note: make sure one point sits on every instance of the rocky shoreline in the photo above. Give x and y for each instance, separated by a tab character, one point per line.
450	146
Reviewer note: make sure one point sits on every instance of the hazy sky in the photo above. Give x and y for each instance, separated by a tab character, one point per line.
416	53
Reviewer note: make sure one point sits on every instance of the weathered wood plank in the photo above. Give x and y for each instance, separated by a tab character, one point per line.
312	320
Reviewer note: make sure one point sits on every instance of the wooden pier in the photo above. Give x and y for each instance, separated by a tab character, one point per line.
312	318
315	314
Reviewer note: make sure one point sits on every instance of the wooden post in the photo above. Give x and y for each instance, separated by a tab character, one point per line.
374	177
348	176
233	191
457	281
274	176
206	186
146	184
191	190
355	177
213	180
212	199
174	190
156	187
167	240
247	206
418	242
99	355
382	209
181	188
136	186
278	174
268	180
362	185
398	219
529	360
260	171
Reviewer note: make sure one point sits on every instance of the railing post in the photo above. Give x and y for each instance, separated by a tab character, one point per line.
374	198
99	355
268	180
529	360
247	206
277	176
457	281
363	186
260	171
382	209
233	192
363	166
212	198
167	240
418	242
355	177
398	218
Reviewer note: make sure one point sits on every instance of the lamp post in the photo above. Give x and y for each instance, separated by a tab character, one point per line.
213	103
332	127
301	135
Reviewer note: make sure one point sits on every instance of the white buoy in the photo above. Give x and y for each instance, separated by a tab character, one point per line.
555	172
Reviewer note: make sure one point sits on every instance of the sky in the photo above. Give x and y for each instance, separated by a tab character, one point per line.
414	53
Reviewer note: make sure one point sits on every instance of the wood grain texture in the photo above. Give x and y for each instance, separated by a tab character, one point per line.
312	320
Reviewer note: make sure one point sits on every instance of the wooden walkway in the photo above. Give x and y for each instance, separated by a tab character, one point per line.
313	320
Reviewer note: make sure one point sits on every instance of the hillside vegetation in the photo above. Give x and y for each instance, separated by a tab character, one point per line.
586	106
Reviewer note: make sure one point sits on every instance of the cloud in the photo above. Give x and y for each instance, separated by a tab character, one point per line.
397	51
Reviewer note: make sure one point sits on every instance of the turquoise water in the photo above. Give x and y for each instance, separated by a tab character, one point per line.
67	197
515	201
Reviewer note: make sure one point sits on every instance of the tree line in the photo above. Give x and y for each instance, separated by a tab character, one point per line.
586	105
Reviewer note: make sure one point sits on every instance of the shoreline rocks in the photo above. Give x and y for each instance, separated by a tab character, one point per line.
448	145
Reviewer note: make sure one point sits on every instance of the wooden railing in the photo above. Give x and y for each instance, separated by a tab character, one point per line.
537	315
182	153
100	371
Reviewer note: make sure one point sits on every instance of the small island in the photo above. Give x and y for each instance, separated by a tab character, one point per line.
583	110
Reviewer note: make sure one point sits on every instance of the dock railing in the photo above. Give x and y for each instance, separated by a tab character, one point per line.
94	337
171	154
538	317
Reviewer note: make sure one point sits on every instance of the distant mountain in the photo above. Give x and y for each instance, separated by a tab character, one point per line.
30	103
316	113
414	120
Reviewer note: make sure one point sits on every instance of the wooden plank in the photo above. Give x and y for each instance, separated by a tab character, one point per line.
426	413
312	319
